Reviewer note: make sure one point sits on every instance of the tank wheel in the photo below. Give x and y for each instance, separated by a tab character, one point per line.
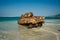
40	24
30	26
36	25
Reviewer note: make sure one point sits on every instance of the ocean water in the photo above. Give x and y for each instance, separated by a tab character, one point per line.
17	18
10	30
9	18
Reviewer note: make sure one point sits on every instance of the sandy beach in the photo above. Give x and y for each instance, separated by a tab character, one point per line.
10	30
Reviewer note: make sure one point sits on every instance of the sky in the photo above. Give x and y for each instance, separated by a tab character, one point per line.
14	8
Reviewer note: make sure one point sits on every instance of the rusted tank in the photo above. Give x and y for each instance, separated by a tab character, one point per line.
30	20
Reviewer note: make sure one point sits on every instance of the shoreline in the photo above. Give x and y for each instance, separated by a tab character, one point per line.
11	30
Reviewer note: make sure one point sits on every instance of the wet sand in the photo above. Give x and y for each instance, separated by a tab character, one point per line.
13	31
43	33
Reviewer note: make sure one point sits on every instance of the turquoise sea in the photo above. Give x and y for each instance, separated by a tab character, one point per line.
17	18
10	30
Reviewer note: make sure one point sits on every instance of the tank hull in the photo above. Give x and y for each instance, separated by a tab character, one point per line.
31	21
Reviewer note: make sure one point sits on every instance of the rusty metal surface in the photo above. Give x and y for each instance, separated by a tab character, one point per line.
29	18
